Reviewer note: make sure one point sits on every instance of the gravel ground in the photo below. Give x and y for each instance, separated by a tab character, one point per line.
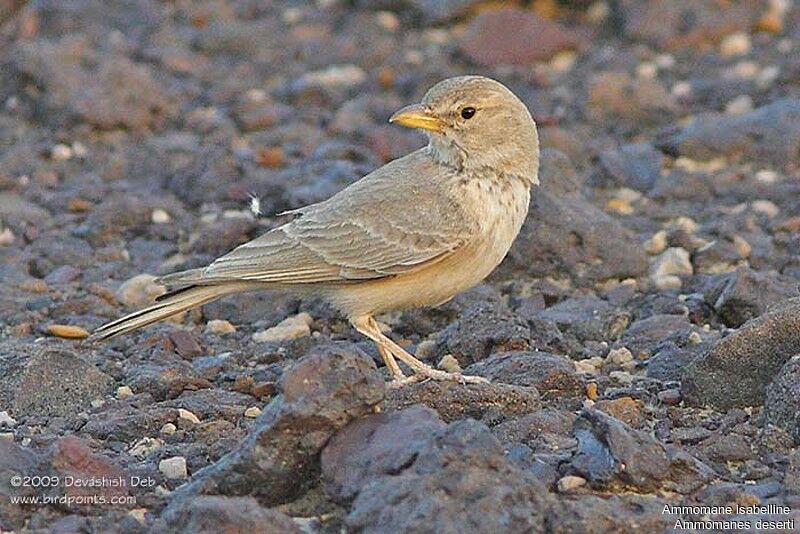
642	337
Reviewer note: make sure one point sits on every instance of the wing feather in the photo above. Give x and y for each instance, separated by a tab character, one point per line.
400	218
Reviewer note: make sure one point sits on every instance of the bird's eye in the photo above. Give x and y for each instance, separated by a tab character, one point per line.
467	113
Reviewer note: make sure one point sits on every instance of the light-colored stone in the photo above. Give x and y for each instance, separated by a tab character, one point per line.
220	327
766	207
673	261
140	290
189	416
739	105
168	429
656	244
695	339
160	216
570	483
61	152
145	446
7	420
174	468
6	237
336	76
252	412
619	356
449	363
67	331
124	392
735	44
290	328
623	377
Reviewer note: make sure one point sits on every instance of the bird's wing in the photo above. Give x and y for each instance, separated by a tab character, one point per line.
395	220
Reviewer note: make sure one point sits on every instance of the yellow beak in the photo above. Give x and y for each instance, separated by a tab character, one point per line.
417	116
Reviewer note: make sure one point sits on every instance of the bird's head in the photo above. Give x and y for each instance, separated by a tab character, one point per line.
475	123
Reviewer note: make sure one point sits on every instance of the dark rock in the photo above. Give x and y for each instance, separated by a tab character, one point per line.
615	95
782	403
375	445
568	235
687	23
513	36
736	371
542	431
48	381
644	336
593	514
127	423
490	403
16	461
461	481
186	344
435	11
670	360
279	460
610	454
727	448
550	374
211	403
213	514
52	251
249	308
739	296
636	166
587	318
769	135
482	329
687	473
163	381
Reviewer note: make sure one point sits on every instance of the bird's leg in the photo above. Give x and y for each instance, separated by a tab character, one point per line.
367	326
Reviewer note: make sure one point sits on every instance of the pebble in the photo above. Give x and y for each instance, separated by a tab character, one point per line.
767	176
673	261
570	483
588	365
61	152
252	412
124	392
681	89
591	390
336	76
173	468
735	44
220	327
160	216
766	207
189	416
140	290
6	420
168	429
695	339
623	377
6	237
388	21
742	247
67	331
670	397
145	446
739	105
449	363
290	328
656	244
619	356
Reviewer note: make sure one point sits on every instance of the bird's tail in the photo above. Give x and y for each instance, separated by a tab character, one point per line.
167	306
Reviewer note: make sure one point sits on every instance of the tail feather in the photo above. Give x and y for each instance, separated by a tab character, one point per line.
166	306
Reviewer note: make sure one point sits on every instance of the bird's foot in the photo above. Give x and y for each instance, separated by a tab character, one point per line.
424	373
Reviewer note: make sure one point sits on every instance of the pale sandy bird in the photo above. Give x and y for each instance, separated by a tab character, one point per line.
415	232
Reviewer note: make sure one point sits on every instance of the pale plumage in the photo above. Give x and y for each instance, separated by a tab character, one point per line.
415	232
